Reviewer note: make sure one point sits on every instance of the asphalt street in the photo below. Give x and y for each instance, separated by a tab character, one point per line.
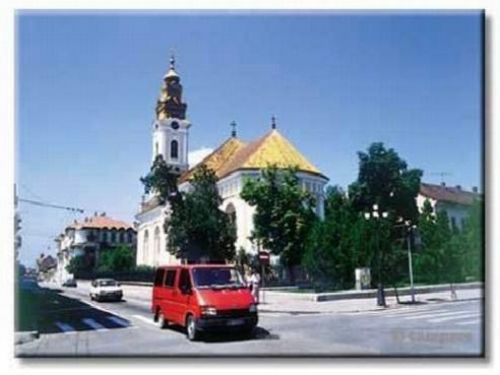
126	328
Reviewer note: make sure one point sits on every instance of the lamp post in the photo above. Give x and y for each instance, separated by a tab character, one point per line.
411	233
377	215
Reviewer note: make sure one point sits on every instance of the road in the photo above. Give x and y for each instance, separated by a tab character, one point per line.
126	328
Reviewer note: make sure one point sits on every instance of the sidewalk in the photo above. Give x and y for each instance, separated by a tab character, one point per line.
294	303
280	303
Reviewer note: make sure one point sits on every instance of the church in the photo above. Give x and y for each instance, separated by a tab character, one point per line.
234	161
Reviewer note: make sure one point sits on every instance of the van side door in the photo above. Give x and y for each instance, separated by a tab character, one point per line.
169	306
157	292
185	290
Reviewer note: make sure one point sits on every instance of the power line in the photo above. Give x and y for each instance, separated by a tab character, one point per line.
50	205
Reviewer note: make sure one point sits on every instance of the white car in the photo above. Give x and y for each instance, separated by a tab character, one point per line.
105	289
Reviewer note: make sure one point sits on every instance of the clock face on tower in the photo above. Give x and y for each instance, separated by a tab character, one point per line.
175	125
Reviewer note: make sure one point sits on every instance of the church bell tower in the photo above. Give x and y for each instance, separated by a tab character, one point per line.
170	127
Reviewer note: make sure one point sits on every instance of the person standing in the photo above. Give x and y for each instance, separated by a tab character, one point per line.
254	285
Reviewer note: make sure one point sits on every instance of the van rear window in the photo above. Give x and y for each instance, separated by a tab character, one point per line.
170	278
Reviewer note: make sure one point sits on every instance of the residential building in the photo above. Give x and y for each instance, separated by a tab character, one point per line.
89	238
454	200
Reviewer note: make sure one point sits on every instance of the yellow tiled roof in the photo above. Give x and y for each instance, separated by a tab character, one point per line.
271	149
218	158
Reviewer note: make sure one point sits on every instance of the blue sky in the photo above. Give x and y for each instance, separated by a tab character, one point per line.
87	86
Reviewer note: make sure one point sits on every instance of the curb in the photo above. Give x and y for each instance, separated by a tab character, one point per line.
25	336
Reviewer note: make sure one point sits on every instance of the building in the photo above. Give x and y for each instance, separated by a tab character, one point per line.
88	238
453	200
233	161
46	267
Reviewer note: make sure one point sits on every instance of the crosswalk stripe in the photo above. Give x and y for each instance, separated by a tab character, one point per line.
93	324
119	321
66	328
144	319
427	315
439	320
469	322
419	312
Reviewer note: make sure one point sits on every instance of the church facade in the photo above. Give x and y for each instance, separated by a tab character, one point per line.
233	162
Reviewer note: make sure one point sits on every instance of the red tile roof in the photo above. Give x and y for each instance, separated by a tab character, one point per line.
448	194
100	222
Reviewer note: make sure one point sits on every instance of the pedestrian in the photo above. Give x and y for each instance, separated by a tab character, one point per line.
254	285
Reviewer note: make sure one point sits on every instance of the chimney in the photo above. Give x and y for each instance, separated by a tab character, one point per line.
95	213
458	187
474	189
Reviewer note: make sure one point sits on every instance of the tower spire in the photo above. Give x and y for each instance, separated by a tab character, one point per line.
233	131
172	61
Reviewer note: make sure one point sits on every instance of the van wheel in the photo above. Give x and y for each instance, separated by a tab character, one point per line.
192	332
160	320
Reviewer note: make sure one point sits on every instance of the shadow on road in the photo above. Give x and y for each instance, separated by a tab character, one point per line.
259	333
48	311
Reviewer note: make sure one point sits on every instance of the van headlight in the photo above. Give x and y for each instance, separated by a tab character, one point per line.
252	308
208	311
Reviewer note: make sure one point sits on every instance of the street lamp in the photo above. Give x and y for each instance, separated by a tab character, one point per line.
376	215
411	232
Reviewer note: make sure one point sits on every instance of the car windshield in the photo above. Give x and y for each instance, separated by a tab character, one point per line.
217	277
107	283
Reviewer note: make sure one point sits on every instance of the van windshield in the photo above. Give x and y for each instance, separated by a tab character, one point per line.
217	277
108	283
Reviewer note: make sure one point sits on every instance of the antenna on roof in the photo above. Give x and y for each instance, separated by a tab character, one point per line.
442	175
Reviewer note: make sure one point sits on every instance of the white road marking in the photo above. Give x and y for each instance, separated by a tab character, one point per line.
464	315
469	322
119	321
428	315
144	319
66	328
93	324
416	312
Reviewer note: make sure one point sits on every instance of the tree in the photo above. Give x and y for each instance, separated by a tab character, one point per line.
330	257
116	259
385	180
283	214
473	240
197	227
161	180
78	264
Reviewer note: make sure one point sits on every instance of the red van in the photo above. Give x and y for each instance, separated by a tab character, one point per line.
203	298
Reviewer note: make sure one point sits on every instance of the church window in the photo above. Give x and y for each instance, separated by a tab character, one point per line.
145	247
174	149
157	243
156	149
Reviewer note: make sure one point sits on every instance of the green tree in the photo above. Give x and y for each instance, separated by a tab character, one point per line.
120	258
78	264
473	240
330	256
161	180
197	227
283	216
384	179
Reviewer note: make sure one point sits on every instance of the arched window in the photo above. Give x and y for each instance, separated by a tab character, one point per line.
174	149
145	248
231	212
156	246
